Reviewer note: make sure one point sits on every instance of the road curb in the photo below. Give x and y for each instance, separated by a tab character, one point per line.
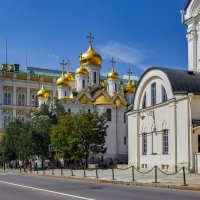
132	183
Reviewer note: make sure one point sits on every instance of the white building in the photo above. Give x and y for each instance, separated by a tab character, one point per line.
163	126
86	91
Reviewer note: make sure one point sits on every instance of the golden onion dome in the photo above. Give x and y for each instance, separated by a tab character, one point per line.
43	93
90	57
82	71
62	81
102	83
70	77
113	75
129	88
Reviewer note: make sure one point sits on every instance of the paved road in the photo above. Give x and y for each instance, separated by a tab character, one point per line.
21	187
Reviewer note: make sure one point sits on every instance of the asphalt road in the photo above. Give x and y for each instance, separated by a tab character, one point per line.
22	187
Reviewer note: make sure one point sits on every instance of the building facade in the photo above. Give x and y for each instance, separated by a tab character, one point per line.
84	90
163	126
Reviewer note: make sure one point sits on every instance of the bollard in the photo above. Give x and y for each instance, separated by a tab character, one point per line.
84	172
113	175
72	174
61	171
156	175
184	177
133	174
52	170
96	173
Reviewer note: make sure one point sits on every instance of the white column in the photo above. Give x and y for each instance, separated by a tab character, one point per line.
28	94
14	96
192	50
198	48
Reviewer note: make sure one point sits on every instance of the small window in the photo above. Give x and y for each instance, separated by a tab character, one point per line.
144	144
124	118
95	77
5	121
9	99
115	87
69	111
144	102
164	95
23	100
124	140
89	111
153	94
83	83
5	98
65	93
165	142
109	115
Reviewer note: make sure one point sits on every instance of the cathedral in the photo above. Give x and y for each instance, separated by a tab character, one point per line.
85	89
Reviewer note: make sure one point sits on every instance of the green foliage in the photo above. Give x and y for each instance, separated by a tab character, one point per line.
79	135
10	138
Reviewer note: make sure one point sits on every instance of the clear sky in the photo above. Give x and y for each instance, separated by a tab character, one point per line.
137	33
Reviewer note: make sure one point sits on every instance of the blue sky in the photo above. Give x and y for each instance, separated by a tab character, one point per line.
138	34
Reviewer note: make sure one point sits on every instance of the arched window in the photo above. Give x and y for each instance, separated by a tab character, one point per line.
115	87
95	77
144	102
19	99
109	115
9	119
164	95
5	98
9	99
33	100
65	93
23	100
89	111
83	84
69	111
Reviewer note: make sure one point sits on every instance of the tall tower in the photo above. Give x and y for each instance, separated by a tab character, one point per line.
82	76
113	80
63	84
191	18
92	61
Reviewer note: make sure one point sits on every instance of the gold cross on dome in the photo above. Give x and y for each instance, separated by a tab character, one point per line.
113	63
129	72
63	65
81	57
90	37
68	65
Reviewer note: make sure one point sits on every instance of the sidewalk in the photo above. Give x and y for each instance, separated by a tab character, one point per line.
121	177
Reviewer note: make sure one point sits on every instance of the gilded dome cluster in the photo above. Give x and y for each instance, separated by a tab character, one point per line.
129	88
90	57
62	81
82	70
43	93
113	75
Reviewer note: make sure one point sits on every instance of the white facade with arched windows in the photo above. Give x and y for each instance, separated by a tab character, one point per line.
161	131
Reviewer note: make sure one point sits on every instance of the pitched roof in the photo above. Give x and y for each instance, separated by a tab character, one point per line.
182	81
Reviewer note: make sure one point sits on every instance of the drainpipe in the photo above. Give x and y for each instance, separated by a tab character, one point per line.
190	155
175	133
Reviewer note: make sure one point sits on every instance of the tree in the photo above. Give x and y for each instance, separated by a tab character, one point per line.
10	138
42	120
77	136
91	131
64	138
